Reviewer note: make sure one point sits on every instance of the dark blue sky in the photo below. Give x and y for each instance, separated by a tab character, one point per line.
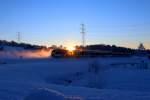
47	22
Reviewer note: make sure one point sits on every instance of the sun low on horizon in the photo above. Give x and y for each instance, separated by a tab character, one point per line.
70	48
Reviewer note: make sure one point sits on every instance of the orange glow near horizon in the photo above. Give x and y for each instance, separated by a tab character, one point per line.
70	48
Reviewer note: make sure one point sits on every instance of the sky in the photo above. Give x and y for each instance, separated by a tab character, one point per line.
47	22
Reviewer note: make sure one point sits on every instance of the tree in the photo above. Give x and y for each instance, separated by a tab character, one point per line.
141	47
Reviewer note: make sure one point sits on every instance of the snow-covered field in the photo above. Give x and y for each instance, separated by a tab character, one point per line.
107	78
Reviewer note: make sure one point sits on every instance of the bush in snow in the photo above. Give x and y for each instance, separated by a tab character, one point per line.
2	62
1	48
149	57
47	94
94	67
144	65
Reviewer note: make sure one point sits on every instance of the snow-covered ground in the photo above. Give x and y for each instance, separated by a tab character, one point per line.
107	78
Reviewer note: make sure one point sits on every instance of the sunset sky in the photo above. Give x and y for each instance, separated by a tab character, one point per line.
47	22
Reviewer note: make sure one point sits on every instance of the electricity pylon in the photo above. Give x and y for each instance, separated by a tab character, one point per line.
18	37
83	34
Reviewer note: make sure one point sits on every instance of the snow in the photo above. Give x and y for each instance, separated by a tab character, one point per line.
47	94
44	95
115	78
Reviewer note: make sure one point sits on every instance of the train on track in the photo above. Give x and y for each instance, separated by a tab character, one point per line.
63	53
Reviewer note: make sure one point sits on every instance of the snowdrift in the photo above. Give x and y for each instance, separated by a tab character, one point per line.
48	94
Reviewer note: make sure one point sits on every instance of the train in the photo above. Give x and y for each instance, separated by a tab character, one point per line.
63	53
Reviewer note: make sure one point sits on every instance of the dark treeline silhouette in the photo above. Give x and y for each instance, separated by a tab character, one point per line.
15	44
113	48
99	47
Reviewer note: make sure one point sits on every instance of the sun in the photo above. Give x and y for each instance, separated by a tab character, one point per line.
71	48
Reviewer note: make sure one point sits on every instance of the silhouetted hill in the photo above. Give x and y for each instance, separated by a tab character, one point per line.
4	43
